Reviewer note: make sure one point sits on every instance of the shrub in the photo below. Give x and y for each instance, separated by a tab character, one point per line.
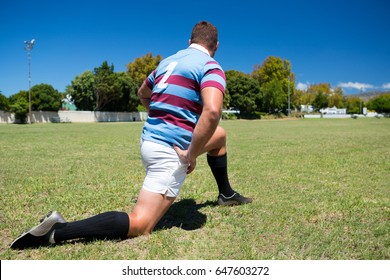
227	116
20	109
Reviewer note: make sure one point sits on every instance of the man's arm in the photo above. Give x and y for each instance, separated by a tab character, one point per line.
208	121
212	108
144	94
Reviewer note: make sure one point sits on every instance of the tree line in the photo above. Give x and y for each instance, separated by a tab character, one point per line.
269	89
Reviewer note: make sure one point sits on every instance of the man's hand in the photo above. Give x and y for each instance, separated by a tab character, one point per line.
185	157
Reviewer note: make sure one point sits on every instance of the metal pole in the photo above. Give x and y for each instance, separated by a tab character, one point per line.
28	48
29	86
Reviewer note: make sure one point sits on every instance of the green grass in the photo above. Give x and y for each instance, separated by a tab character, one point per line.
320	189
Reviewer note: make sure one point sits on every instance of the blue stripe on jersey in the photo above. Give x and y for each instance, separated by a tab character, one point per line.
214	77
185	93
168	134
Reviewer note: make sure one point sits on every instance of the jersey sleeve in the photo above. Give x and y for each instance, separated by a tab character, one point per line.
150	80
214	77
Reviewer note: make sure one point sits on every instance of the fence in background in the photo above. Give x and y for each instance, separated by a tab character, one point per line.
77	116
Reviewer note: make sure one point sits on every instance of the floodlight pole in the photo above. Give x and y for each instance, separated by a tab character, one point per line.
28	48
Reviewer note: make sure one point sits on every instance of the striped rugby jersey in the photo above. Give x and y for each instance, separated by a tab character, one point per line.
176	103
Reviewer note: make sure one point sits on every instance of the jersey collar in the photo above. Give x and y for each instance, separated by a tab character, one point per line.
200	48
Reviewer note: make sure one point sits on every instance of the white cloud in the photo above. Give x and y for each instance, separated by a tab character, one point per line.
302	86
355	85
386	86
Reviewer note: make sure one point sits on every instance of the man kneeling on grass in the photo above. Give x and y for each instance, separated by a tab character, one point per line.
184	97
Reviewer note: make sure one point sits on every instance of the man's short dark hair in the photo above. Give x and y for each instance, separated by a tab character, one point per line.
205	34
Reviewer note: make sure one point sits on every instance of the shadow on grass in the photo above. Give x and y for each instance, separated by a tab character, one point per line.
184	214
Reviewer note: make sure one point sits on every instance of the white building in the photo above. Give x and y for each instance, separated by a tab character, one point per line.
307	108
334	111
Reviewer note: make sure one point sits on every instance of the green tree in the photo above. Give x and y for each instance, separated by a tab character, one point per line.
244	92
275	73
320	101
380	104
128	91
19	105
4	103
321	91
107	86
336	98
302	97
322	95
83	92
45	98
227	99
353	105
141	67
324	88
105	90
272	68
273	96
21	94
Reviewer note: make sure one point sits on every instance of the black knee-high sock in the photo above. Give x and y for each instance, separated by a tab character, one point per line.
218	166
108	225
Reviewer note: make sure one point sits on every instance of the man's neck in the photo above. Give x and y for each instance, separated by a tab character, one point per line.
199	47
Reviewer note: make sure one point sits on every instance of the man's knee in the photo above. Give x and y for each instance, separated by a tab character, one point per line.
220	131
139	226
217	144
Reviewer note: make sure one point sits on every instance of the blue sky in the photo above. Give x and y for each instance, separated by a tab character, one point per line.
342	42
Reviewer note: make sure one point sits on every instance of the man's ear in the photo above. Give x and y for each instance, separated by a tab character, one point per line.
189	41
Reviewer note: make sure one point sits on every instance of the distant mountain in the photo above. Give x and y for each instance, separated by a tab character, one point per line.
366	96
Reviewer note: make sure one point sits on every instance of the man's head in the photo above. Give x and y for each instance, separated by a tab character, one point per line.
205	34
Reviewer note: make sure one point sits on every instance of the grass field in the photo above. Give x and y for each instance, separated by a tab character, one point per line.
321	190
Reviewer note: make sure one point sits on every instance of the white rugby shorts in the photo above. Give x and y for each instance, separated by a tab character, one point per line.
165	173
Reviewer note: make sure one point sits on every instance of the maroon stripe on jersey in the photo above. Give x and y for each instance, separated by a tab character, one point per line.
183	82
212	62
218	72
172	119
148	84
213	84
177	101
